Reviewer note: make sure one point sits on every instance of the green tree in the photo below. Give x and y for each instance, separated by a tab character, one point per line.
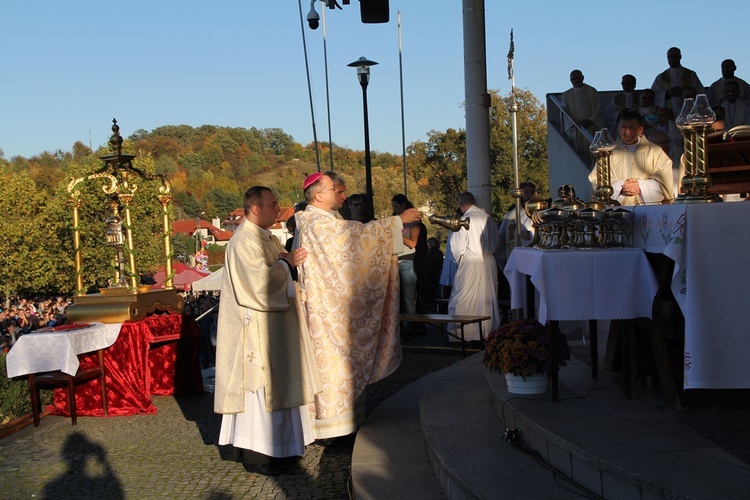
531	121
222	202
26	244
276	140
439	164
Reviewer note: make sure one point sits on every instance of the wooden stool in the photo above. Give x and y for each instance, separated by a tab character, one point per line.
58	378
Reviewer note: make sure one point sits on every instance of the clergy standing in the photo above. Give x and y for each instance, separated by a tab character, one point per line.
582	100
351	283
670	83
265	373
475	286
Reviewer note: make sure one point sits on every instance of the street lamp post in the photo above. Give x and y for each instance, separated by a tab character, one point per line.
363	73
197	235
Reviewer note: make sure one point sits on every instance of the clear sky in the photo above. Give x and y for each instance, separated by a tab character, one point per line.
68	68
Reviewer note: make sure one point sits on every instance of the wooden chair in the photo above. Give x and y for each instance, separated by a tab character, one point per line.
58	378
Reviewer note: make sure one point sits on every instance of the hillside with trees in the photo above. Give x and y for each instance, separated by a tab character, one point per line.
210	167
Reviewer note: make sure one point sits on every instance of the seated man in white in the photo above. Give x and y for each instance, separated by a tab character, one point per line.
736	110
716	90
629	98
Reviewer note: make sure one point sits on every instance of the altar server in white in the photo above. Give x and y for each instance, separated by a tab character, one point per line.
475	285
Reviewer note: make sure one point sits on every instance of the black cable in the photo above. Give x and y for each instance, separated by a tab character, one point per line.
513	436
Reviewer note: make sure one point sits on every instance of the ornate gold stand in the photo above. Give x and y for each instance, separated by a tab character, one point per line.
114	305
124	300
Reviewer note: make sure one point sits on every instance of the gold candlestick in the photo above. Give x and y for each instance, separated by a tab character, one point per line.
700	118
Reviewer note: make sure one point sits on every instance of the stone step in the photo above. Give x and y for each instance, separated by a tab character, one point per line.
443	437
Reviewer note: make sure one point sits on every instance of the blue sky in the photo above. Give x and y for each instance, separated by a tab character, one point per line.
68	68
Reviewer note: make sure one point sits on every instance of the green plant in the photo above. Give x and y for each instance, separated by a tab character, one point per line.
522	348
15	400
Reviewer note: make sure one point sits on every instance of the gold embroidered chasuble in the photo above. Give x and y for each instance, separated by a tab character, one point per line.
352	284
259	342
648	161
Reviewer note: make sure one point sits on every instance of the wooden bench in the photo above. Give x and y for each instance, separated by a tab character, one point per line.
448	318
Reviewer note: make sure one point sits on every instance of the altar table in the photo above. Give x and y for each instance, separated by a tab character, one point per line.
709	243
46	351
155	356
583	284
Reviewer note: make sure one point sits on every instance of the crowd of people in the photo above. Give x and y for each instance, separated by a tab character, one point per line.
647	163
20	315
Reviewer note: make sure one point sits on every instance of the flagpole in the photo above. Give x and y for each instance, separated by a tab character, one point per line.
328	99
516	192
401	81
309	86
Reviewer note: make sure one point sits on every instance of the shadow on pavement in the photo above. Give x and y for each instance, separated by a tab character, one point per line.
88	470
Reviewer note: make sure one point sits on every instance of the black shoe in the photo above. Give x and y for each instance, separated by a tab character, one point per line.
274	466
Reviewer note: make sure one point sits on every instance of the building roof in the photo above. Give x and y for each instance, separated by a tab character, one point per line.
188	226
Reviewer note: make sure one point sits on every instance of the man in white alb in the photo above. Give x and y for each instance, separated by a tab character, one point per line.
669	84
475	286
265	372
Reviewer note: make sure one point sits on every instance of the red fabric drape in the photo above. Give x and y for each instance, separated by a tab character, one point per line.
139	364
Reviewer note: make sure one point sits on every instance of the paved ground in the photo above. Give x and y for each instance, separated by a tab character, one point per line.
173	454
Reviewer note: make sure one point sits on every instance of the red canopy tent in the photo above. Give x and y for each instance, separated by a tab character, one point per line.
179	268
183	280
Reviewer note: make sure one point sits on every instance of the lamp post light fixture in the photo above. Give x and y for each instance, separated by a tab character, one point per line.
363	73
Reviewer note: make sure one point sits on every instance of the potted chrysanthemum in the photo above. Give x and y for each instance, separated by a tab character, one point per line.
521	350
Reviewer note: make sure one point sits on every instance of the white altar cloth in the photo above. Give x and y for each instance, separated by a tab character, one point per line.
583	284
709	243
38	352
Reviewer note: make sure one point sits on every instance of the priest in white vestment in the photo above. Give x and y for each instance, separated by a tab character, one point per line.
265	371
582	101
475	286
670	83
351	282
641	172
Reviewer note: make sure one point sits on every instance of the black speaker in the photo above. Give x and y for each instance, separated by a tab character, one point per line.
374	11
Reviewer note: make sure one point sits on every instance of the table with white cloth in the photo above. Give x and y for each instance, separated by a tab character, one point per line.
48	351
157	355
583	284
709	244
